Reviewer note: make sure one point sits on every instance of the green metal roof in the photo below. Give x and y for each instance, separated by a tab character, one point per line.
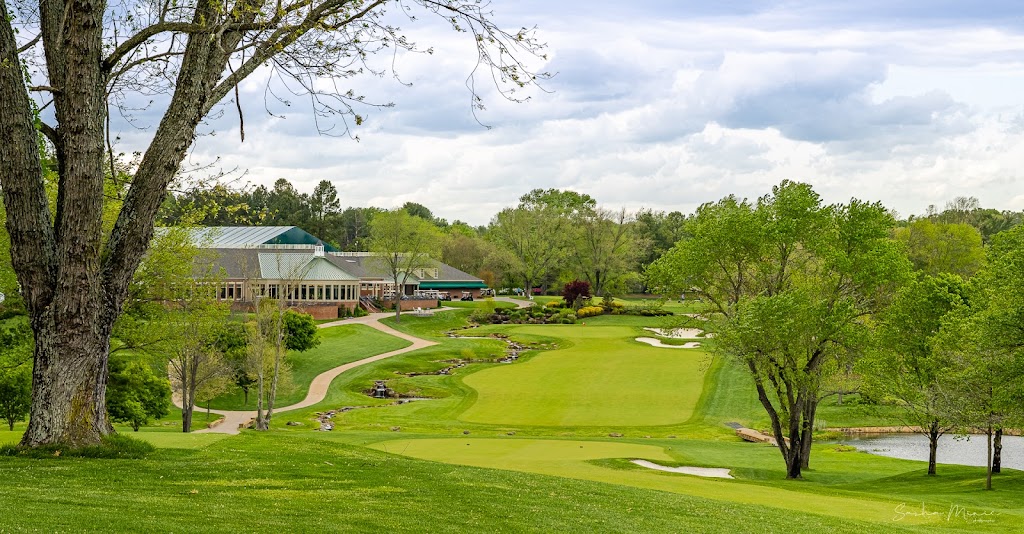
452	285
283	266
321	269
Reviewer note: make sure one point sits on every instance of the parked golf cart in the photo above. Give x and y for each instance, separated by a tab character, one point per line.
467	296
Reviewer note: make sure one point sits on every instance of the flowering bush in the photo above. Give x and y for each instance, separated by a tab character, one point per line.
589	311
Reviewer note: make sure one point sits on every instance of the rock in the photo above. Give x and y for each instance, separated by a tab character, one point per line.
465	432
396	428
614	435
293	423
510	433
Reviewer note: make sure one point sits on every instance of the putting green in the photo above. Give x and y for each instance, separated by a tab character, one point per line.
604	378
573	459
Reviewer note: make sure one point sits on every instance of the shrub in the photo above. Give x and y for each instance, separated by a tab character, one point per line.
589	311
576	292
646	309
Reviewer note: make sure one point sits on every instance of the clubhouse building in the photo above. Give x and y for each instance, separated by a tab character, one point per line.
288	262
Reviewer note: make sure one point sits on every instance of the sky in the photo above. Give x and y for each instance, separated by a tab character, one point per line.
666	105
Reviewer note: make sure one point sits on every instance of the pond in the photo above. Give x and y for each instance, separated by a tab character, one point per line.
952	450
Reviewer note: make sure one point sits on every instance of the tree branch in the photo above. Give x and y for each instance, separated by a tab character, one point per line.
147	33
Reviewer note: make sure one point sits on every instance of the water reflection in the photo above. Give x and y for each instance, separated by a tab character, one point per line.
952	450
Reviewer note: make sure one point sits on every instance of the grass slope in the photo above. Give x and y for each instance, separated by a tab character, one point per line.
260	482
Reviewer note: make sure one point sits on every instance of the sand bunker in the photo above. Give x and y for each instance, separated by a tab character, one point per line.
658	343
679	333
709	472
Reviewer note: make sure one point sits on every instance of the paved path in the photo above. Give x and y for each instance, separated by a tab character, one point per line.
234	420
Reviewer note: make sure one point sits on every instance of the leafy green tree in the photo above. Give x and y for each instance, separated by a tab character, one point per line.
355	228
904	367
15	393
937	247
535	240
324	208
403	244
232	342
15	372
473	254
566	203
135	394
985	388
602	246
789	284
301	333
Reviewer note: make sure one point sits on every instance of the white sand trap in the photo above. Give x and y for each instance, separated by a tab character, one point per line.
658	343
709	472
679	333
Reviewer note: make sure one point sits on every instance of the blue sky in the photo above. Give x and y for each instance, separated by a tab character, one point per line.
666	105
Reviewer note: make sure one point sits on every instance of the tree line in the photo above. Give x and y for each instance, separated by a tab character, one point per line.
550	237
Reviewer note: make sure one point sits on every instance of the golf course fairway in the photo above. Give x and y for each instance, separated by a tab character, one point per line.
575	459
602	378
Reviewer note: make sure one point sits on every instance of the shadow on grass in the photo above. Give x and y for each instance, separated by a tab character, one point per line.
114	446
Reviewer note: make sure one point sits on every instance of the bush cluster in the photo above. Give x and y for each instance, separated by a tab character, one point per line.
534	315
590	311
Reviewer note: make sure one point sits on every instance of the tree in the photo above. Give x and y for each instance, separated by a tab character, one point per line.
418	210
135	394
943	247
324	206
985	387
74	276
789	285
355	228
566	203
535	240
575	292
602	246
194	360
403	244
232	342
15	372
904	366
300	331
15	393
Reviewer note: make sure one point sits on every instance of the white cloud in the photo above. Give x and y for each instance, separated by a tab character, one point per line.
667	105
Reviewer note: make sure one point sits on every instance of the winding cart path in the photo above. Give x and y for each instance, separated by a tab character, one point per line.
234	420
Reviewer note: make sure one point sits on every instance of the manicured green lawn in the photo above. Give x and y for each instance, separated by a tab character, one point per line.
338	345
290	483
537	457
852	486
603	378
